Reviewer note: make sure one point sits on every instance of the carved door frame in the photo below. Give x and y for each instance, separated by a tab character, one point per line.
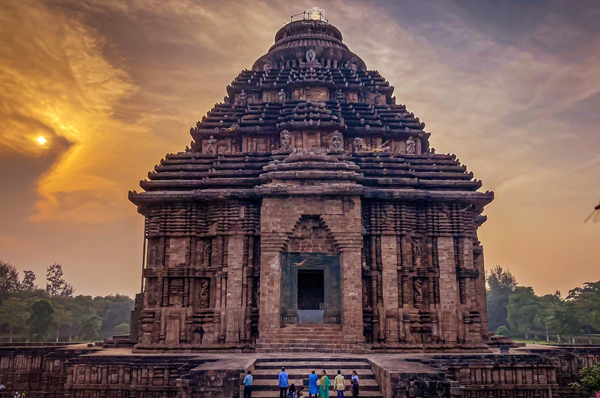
330	265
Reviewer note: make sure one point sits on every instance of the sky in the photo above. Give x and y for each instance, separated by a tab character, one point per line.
512	87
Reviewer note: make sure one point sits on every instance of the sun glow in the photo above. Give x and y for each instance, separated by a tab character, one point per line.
41	140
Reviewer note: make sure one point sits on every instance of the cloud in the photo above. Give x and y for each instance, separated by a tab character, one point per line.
509	86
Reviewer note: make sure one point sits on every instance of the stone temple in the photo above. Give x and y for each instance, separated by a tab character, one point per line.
309	225
310	196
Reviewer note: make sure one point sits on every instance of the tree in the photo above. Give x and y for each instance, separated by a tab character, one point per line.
61	318
113	310
14	314
41	320
80	306
89	328
590	378
568	321
28	283
122	329
545	319
9	280
56	284
587	301
523	306
500	284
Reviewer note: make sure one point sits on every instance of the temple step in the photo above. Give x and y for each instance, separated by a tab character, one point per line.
266	373
309	338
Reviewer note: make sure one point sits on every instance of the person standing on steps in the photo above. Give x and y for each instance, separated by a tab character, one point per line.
324	384
339	384
313	386
283	383
292	392
354	382
248	385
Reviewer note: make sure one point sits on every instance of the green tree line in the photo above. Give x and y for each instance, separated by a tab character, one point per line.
32	313
517	311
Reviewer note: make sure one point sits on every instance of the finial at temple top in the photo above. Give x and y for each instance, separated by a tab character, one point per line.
313	14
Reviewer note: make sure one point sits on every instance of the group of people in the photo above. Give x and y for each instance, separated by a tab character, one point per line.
318	387
17	395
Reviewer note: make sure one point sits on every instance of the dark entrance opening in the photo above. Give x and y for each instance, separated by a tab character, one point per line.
311	290
311	296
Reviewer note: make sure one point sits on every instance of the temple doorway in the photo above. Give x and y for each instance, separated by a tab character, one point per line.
310	288
311	296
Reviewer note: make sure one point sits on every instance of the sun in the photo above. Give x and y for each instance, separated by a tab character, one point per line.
41	140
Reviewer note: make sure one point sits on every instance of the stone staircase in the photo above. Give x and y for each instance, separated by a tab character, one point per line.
313	338
266	373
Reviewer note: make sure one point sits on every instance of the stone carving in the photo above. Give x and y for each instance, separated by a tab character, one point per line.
358	144
410	146
339	95
311	55
204	293
212	145
416	253
206	255
418	293
377	98
243	98
351	65
337	140
282	95
233	127
365	295
286	140
198	335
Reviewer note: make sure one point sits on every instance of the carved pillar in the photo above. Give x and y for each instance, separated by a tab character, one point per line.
234	310
448	288
390	286
480	294
352	322
270	282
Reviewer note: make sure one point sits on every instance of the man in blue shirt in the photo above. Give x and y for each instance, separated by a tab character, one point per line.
283	383
248	385
313	387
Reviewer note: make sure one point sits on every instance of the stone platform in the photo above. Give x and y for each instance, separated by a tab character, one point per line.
81	371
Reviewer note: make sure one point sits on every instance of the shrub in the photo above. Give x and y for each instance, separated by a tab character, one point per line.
122	328
502	331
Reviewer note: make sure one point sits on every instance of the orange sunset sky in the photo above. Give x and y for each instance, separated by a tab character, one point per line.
511	87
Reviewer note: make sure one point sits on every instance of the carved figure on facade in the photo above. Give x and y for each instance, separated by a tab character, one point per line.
282	95
233	128
358	144
410	146
206	255
418	293
377	98
212	145
198	335
311	55
243	98
337	140
339	95
286	140
204	293
416	252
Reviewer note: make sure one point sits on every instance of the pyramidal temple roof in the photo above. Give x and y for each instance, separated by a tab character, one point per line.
310	93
